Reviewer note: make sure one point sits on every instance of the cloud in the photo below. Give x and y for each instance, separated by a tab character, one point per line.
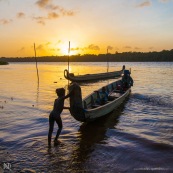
144	4
44	48
40	47
42	3
53	15
54	11
127	47
5	21
90	47
164	1
64	12
22	49
76	48
137	48
48	43
93	47
58	42
55	50
46	4
109	47
40	20
20	15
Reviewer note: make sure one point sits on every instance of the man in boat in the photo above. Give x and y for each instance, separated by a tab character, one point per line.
102	97
76	107
127	80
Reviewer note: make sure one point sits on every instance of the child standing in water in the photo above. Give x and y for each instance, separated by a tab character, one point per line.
55	114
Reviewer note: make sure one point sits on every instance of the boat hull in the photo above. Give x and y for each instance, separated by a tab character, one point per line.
92	77
91	113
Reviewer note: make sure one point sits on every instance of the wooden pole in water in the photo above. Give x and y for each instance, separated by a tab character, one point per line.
68	55
68	59
36	62
107	61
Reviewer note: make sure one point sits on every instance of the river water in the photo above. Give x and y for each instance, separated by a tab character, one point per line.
137	137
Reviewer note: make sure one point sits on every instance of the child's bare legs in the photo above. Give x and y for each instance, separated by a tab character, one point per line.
51	125
59	122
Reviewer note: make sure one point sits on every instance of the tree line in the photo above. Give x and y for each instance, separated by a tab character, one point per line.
165	55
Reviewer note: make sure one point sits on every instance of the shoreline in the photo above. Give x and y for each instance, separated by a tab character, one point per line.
3	63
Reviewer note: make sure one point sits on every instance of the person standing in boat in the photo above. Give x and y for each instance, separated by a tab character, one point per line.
127	80
55	114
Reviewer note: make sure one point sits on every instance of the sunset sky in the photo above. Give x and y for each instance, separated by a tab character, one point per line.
91	26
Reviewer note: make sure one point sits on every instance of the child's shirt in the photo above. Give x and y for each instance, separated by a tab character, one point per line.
58	107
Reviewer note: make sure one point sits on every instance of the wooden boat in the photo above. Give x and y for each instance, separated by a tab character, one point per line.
91	77
91	110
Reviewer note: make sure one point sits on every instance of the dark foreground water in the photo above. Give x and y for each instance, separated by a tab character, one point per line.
137	137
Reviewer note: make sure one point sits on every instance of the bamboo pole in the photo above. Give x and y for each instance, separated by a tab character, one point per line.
68	60
107	61
36	63
68	55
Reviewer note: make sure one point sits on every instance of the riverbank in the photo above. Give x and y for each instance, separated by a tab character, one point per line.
3	63
163	56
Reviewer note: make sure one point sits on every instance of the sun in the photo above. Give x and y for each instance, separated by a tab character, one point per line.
64	48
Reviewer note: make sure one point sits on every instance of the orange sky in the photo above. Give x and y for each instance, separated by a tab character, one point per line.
90	26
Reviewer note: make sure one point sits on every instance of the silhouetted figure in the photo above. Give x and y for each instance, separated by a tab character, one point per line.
55	114
127	80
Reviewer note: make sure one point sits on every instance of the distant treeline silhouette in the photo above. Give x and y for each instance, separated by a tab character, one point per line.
165	55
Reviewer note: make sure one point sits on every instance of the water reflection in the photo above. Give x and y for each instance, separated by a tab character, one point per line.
90	135
73	153
37	93
147	120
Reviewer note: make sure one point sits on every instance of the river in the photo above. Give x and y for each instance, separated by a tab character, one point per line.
137	137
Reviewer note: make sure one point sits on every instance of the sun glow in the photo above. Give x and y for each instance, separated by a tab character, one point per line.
64	49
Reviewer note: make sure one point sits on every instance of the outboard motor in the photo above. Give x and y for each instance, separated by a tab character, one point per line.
127	81
126	72
76	107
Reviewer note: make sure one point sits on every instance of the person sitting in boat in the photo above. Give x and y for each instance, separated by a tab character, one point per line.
127	80
102	96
